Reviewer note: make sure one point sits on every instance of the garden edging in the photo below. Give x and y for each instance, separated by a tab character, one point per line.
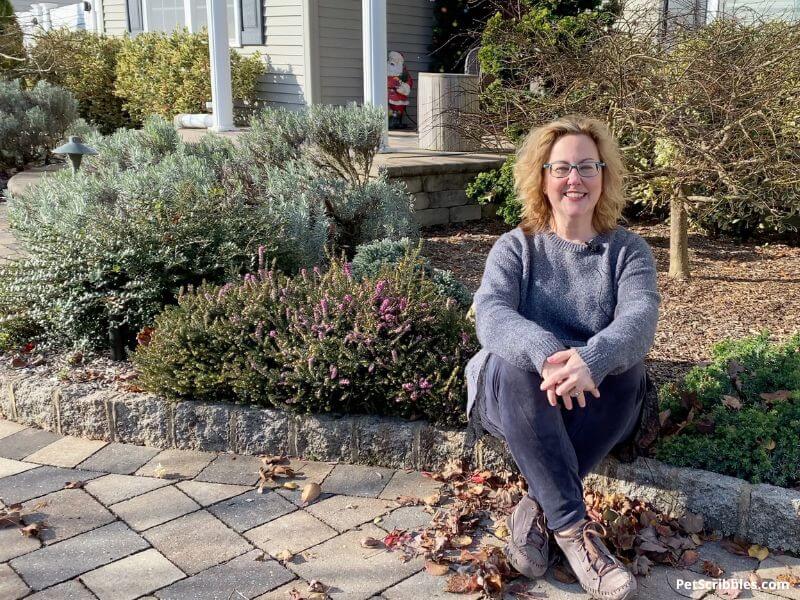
763	514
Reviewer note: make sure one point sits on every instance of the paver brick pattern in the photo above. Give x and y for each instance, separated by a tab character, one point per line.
204	531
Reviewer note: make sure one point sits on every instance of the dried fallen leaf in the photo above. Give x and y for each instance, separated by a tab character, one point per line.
160	471
283	556
408	500
371	542
779	396
691	523
729	589
10	519
290	485
769	445
310	493
274	460
502	531
789	578
712	568
437	569
432	499
688	558
73	485
732	402
463	584
759	552
642	565
32	530
461	541
734	547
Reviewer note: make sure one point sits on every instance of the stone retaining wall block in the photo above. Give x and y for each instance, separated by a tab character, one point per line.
432	216
470	212
34	402
143	419
201	426
260	431
413	184
421	201
322	437
448	198
437	447
774	517
384	441
449	181
85	414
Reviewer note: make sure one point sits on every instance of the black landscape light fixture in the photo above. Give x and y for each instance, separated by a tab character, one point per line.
75	149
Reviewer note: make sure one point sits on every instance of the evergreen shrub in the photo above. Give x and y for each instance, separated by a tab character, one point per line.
740	414
85	64
34	121
370	258
169	73
316	342
497	187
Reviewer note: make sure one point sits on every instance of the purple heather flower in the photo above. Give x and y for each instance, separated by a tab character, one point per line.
344	381
316	270
371	367
324	304
424	384
310	362
408	387
273	333
464	337
394	356
261	250
334	372
348	270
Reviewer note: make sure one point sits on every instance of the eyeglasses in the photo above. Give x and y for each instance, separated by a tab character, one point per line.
562	169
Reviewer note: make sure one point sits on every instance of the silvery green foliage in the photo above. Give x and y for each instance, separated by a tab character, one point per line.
371	258
345	139
114	246
34	121
133	148
274	138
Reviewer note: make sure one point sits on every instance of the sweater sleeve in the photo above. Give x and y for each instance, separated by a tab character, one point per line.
628	338
501	329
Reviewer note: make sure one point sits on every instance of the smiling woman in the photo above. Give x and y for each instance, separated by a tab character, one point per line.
567	308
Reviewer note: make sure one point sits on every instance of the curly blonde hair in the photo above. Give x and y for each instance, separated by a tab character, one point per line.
529	173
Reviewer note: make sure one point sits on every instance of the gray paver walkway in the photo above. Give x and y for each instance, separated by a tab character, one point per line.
202	530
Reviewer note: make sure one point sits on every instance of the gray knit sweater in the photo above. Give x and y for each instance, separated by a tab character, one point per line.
541	293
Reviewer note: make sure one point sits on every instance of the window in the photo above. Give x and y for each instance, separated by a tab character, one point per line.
167	15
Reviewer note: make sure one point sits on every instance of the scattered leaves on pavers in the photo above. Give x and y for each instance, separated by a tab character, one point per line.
34	530
735	545
789	578
73	485
759	552
273	468
13	516
311	492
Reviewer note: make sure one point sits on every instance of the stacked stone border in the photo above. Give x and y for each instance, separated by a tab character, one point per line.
763	514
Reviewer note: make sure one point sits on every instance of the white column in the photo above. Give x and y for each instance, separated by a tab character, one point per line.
221	92
373	20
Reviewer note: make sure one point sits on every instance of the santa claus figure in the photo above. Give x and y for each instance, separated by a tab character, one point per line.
399	82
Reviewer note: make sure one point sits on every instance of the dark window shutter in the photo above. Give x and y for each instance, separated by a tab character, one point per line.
252	23
135	20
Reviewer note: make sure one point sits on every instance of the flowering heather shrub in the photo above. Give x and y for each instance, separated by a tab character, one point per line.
316	342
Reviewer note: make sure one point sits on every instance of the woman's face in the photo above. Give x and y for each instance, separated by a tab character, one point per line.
573	197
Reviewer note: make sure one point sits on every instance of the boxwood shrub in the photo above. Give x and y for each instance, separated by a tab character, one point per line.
319	341
740	414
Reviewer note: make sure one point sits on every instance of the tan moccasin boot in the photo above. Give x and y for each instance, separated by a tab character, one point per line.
527	547
599	572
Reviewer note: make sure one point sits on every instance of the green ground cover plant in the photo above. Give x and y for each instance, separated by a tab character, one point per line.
740	414
319	341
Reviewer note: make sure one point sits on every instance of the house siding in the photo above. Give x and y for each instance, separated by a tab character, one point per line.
409	29
115	17
775	9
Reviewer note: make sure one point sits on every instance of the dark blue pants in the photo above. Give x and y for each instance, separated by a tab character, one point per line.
553	447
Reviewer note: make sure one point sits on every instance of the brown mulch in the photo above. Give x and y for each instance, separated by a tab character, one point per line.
735	289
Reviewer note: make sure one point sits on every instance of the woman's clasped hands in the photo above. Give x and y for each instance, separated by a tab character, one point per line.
565	374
